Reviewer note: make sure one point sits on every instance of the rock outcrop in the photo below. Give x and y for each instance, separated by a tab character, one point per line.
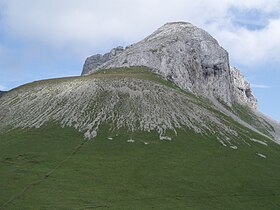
242	91
186	55
93	62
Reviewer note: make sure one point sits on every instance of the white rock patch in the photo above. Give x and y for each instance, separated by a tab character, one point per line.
130	141
258	141
165	138
223	143
261	155
233	147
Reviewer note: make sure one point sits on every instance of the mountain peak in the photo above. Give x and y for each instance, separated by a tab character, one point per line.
177	24
184	54
181	30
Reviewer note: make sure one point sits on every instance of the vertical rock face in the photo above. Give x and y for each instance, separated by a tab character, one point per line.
242	91
184	54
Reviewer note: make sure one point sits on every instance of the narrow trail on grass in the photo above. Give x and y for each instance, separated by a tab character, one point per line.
47	175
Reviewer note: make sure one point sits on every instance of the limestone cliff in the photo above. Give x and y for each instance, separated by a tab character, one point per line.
242	91
186	55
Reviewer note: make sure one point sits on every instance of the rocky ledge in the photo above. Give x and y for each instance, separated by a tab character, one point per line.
186	55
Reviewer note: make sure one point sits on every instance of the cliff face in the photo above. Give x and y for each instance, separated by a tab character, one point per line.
242	91
186	55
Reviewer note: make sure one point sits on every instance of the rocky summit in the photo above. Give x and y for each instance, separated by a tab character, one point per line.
186	55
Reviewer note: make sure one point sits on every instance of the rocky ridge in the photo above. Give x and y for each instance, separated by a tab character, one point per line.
186	55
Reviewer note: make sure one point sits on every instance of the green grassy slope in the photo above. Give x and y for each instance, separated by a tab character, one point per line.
55	168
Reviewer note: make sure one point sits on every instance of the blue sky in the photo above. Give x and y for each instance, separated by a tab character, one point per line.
46	38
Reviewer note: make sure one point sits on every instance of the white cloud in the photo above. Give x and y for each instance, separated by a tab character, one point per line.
260	86
90	25
252	47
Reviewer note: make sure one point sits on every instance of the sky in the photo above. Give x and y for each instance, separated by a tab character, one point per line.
42	39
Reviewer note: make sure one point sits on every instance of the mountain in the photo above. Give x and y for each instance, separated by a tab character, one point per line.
186	55
165	123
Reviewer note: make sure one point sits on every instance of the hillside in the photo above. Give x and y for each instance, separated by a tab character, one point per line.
128	98
132	98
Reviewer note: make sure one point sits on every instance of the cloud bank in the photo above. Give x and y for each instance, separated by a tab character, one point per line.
249	30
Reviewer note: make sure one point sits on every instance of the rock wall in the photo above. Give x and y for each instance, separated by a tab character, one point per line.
242	91
184	54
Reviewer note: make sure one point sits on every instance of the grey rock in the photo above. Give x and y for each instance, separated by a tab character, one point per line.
184	54
95	61
242	91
